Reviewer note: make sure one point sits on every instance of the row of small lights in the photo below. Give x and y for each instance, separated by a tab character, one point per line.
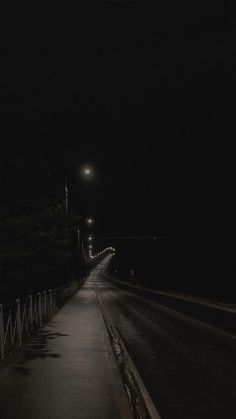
100	253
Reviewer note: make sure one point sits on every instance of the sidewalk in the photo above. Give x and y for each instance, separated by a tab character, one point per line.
68	371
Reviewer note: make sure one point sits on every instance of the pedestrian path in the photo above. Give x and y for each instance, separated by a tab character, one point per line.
68	370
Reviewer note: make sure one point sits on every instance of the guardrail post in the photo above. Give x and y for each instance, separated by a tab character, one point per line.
53	300
2	333
24	318
19	325
39	309
47	303
44	303
30	310
50	300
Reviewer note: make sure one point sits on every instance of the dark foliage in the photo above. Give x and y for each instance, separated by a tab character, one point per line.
38	249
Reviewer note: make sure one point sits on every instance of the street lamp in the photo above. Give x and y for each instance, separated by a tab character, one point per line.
89	221
87	171
90	238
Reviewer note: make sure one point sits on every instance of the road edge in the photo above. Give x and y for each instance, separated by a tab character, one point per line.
140	401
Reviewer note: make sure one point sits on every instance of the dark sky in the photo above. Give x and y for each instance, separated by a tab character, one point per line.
133	90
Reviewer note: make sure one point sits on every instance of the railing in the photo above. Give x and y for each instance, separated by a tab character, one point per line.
18	320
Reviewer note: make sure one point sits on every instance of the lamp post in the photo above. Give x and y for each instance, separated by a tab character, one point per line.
78	243
66	195
87	172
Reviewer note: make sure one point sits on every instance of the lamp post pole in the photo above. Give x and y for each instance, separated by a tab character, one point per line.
66	195
87	172
78	243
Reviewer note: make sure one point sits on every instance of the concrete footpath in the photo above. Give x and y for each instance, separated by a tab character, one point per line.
68	370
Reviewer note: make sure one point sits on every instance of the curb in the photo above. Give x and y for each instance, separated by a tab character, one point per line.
140	401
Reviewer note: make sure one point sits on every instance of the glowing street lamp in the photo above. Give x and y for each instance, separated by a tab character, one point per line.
87	171
89	221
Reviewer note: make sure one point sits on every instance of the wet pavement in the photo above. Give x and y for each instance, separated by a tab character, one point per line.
188	367
68	370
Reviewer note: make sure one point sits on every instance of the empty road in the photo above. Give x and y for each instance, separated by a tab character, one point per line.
188	368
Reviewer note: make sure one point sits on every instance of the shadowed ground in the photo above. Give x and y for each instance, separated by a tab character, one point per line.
68	370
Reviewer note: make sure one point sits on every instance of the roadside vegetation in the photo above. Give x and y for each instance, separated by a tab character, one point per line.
37	251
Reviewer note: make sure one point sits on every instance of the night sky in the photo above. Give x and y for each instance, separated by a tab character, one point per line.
135	91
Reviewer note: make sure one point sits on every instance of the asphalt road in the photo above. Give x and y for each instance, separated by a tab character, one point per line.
188	368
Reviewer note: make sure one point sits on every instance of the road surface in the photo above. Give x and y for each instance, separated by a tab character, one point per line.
188	368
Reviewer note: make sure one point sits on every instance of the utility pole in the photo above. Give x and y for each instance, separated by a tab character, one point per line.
66	195
78	243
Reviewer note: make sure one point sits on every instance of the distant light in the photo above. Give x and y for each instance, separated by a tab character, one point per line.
89	221
90	238
87	171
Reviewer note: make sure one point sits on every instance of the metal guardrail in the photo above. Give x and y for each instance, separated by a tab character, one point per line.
18	320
